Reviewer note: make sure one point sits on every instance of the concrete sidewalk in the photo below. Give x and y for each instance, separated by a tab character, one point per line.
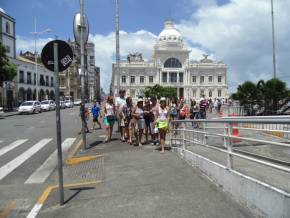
141	182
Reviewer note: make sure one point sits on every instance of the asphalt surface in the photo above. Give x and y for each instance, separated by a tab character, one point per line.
28	154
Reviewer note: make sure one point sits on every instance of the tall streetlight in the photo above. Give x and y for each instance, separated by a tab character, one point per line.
273	40
36	34
117	27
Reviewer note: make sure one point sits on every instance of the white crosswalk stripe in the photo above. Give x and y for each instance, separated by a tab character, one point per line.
42	173
12	146
13	164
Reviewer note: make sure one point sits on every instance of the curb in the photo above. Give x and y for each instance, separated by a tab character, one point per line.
70	160
44	196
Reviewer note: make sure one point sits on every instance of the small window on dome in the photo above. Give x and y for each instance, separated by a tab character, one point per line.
174	38
169	37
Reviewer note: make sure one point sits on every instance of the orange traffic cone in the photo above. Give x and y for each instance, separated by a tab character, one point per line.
235	132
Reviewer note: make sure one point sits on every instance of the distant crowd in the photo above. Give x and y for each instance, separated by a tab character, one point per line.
147	116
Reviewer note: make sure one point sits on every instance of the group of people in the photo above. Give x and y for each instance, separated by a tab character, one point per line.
147	116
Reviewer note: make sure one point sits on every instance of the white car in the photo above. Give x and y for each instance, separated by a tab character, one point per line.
69	103
48	105
1	112
77	102
30	107
62	105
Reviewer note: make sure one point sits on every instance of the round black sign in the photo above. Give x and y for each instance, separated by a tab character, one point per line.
65	55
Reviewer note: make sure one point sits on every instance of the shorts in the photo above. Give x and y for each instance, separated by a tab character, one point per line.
162	125
140	124
95	118
109	122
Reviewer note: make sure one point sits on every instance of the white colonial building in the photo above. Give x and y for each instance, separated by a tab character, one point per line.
26	82
171	66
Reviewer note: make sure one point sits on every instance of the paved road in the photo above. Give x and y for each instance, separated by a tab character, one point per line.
28	153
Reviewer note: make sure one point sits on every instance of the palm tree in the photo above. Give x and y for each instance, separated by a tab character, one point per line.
272	92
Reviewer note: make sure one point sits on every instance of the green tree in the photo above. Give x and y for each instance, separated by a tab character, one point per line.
264	95
160	91
7	70
247	94
271	92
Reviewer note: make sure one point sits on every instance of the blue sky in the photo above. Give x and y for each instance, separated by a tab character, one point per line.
58	14
235	31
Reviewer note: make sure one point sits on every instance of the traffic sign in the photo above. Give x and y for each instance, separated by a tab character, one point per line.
65	55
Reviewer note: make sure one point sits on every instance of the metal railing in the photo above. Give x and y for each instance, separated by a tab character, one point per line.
220	133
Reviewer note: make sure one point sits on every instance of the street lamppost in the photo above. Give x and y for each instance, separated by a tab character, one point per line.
36	34
273	40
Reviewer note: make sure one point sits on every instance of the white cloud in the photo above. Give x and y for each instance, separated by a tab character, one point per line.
28	44
140	41
240	33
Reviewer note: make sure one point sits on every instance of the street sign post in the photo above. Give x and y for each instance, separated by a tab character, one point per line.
57	56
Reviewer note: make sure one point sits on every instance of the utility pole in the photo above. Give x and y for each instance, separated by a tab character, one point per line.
82	26
117	44
273	40
36	34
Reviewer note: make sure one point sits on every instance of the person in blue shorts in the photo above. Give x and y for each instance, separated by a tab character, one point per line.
96	112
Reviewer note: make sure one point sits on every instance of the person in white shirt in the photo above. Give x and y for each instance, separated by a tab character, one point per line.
110	117
120	102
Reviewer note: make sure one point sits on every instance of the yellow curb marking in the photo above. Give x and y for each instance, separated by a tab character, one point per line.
78	160
49	189
6	211
45	195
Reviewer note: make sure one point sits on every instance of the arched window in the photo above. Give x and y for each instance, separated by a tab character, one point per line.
172	63
7	28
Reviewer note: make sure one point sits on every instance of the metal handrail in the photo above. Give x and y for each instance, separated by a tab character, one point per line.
236	120
228	137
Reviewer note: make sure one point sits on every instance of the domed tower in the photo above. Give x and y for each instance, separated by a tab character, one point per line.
169	45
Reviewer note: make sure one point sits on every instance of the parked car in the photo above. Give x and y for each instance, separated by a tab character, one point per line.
48	105
1	112
62	105
30	107
69	103
77	102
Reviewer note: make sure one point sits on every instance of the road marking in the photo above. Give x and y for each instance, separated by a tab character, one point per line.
75	149
6	211
43	197
35	210
41	174
12	146
12	165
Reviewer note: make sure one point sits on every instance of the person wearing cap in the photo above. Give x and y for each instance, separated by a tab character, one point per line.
162	122
120	102
138	113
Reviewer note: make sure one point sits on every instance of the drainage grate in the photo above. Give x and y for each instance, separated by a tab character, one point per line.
85	171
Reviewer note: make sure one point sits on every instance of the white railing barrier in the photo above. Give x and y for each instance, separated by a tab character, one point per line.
199	136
